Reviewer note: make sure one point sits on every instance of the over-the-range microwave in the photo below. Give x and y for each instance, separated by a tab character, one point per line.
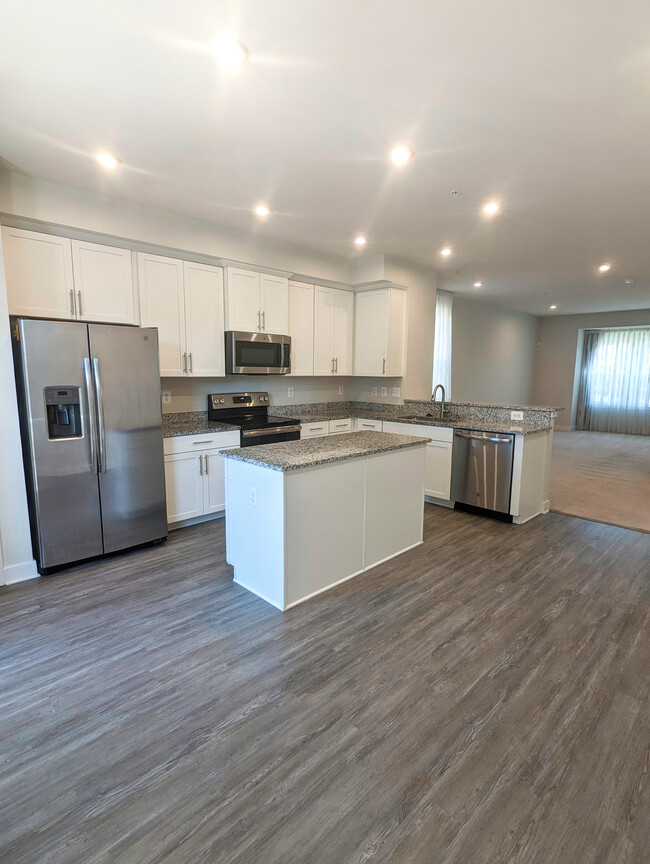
257	353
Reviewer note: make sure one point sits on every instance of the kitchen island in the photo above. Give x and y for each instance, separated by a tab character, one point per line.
303	516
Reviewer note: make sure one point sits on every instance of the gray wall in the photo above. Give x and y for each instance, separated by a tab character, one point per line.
493	353
555	366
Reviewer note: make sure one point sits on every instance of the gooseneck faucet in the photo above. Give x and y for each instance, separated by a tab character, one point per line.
442	404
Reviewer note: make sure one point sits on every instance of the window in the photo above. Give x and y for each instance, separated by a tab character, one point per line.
614	394
442	342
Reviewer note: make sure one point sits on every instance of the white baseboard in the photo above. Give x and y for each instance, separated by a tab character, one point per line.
20	572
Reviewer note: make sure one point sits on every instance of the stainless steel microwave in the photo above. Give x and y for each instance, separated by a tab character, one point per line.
257	353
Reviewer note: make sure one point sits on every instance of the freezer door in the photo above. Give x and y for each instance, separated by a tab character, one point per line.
62	483
130	447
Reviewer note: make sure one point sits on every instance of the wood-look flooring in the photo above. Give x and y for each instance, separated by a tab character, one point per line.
482	698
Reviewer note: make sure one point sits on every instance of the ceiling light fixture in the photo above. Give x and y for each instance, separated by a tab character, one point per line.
491	208
360	240
605	267
553	307
478	284
262	210
107	160
229	53
446	251
628	281
401	155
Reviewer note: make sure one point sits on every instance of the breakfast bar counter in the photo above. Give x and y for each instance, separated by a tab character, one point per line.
303	516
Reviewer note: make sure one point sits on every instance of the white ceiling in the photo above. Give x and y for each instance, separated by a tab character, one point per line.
543	104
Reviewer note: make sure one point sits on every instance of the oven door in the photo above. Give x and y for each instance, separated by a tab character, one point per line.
257	353
269	435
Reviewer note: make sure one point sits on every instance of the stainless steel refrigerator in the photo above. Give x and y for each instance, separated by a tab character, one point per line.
89	403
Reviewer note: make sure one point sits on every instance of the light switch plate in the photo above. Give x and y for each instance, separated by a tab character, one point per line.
341	390
166	397
396	392
290	392
516	415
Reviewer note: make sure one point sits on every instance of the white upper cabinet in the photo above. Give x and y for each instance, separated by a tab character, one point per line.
38	269
162	305
103	283
333	331
184	301
56	277
204	319
256	302
380	332
301	328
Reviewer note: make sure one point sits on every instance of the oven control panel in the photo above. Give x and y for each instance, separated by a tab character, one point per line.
222	401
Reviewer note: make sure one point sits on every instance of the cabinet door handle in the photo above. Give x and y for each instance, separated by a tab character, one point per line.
332	369
190	359
384	367
206	462
72	302
200	464
184	363
264	320
209	441
81	311
259	320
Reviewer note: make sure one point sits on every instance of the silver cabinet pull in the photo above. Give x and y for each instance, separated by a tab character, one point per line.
184	363
264	319
332	365
205	456
336	364
72	311
259	320
384	367
201	464
81	311
369	425
190	358
209	441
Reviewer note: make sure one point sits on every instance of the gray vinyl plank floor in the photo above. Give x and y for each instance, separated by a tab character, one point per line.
482	698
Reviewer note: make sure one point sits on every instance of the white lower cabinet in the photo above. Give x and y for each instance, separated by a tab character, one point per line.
194	474
338	427
315	429
437	480
361	424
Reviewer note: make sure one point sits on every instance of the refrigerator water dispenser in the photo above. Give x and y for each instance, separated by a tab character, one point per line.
63	411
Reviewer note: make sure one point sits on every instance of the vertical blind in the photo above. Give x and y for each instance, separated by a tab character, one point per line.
614	392
442	341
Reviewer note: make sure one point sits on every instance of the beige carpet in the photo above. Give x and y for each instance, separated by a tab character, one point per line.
602	477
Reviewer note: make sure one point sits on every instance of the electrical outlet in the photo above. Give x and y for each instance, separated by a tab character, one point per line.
290	392
516	415
374	391
396	392
384	391
341	390
166	397
252	495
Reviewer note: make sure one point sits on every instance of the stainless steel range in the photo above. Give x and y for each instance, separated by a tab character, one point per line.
250	411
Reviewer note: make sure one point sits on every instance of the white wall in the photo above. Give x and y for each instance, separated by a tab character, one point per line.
493	353
16	560
555	366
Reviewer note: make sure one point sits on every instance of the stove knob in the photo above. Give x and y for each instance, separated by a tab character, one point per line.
222	401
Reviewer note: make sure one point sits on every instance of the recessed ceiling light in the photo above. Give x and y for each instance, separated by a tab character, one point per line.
553	307
455	193
446	251
401	155
262	210
360	240
491	208
478	284
605	267
628	281
107	160
229	52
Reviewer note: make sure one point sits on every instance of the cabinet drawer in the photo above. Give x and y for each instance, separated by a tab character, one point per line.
339	426
362	425
314	429
199	443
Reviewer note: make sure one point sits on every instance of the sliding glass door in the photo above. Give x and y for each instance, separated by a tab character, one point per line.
614	394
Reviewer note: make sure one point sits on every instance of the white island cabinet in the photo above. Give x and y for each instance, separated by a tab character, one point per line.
306	515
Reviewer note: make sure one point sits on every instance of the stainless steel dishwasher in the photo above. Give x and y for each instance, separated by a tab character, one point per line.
481	473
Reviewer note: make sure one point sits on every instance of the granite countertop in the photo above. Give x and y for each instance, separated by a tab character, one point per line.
472	425
192	423
291	455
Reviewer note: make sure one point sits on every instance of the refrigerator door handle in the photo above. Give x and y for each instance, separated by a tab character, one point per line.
100	416
92	420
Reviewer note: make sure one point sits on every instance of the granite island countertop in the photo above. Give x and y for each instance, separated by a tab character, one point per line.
192	423
291	455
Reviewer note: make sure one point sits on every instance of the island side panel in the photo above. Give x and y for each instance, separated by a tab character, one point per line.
533	488
325	526
394	503
255	529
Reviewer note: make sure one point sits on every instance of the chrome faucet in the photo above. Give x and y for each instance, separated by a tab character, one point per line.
442	404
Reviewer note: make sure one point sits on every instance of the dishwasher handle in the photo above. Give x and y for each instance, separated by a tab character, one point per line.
478	436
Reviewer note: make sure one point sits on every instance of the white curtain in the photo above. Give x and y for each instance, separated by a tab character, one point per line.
442	342
614	394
